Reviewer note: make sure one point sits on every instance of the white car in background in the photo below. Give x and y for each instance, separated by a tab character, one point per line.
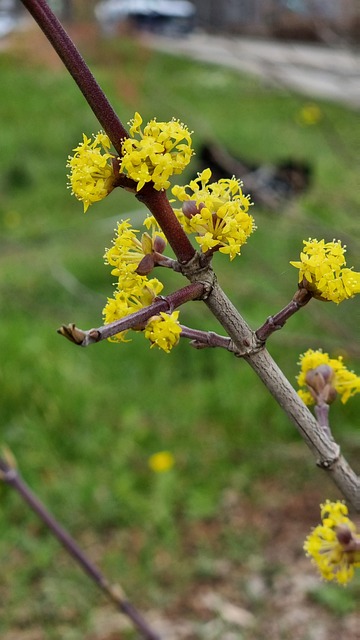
160	16
7	23
10	12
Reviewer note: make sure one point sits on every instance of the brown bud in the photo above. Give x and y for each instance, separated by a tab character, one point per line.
146	265
343	534
159	244
319	381
72	333
190	208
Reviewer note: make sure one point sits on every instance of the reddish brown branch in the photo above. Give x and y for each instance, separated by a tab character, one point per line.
80	72
277	321
158	204
138	319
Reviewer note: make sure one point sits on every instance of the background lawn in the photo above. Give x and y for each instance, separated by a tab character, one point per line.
82	423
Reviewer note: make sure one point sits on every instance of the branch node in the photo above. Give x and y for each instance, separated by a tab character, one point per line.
328	463
247	348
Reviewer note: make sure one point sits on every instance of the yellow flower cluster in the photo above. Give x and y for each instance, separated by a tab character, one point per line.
345	382
322	271
161	150
135	291
133	294
216	212
128	251
335	559
164	330
91	171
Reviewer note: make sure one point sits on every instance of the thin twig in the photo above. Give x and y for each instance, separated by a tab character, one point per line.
138	319
322	416
203	339
10	475
277	321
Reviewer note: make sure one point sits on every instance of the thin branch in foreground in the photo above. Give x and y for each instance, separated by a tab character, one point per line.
82	338
10	475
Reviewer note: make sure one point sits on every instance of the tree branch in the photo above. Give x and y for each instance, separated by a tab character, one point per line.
138	319
326	451
156	201
277	321
10	475
203	339
78	69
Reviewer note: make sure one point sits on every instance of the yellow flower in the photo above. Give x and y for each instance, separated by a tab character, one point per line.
128	251
161	461
345	382
334	545
136	293
163	330
161	150
217	212
91	171
322	271
310	114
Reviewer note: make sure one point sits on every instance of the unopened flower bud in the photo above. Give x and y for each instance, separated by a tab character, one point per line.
189	208
159	244
343	534
146	265
319	381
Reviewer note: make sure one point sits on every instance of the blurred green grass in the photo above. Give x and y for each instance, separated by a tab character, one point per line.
83	423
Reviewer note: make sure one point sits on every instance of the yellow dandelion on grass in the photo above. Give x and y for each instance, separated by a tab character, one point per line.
323	272
309	114
334	545
161	461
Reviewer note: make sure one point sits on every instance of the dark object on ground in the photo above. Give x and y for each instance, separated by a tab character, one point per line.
270	185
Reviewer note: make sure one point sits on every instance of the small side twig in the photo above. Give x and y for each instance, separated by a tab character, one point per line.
322	416
277	321
203	339
82	338
10	475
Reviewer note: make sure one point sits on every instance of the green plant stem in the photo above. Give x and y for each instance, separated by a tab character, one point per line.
11	476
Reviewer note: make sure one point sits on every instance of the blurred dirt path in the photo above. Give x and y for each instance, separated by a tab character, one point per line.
315	70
